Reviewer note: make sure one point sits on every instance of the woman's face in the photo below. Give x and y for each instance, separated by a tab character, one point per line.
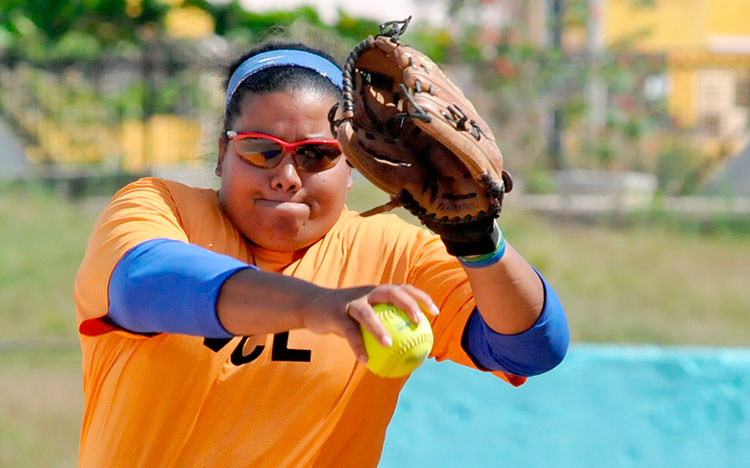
281	208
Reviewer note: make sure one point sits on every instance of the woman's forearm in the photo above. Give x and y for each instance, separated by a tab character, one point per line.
509	294
254	302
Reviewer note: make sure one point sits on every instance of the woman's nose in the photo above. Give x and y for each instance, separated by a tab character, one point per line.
285	176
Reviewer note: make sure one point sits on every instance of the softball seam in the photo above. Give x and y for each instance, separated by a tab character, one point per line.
394	358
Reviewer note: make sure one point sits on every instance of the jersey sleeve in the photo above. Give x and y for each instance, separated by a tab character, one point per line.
441	276
139	212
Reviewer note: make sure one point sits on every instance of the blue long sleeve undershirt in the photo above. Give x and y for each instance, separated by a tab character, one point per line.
169	286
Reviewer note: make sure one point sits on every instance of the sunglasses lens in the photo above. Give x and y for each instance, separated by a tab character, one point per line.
317	157
259	152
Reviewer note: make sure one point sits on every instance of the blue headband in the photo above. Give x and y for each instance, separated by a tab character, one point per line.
280	58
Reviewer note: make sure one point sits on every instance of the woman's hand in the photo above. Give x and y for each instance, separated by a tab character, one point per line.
342	311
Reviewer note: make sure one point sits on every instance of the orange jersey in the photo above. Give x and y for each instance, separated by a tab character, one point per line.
293	399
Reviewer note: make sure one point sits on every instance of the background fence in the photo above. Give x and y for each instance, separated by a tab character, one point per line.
112	114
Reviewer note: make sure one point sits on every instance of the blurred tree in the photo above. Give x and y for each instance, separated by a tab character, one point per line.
85	28
107	20
533	63
526	67
89	81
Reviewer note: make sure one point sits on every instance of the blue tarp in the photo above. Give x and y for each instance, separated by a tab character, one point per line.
604	406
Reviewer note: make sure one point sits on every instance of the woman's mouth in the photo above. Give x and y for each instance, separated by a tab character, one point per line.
282	205
271	202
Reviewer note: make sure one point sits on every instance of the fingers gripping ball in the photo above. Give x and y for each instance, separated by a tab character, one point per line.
412	343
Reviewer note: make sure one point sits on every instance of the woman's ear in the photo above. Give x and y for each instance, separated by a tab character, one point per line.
222	152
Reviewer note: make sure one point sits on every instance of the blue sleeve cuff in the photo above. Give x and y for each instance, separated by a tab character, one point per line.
533	352
169	286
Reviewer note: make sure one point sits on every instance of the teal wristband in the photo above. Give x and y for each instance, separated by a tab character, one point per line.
485	260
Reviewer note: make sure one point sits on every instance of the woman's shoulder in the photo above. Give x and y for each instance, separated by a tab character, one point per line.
167	185
170	191
196	210
161	197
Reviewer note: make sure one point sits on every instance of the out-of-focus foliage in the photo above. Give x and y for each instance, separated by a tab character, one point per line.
522	81
76	28
45	29
108	84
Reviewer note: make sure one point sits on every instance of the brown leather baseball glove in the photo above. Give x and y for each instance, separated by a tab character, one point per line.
408	129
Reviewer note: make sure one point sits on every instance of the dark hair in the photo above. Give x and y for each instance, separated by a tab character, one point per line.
281	78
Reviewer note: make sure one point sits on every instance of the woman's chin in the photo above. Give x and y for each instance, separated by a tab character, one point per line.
286	242
283	232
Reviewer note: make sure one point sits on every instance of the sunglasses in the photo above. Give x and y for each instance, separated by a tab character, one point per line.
266	151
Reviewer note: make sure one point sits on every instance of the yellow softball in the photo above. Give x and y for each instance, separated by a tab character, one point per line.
412	343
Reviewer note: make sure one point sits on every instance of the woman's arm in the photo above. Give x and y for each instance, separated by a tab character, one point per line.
171	286
253	302
519	325
509	293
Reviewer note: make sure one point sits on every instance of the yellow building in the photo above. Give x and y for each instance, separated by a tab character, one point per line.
707	47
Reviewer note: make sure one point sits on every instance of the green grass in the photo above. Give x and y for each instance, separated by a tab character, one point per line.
642	285
42	241
41	405
639	285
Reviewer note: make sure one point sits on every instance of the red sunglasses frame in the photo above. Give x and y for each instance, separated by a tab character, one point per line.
286	147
